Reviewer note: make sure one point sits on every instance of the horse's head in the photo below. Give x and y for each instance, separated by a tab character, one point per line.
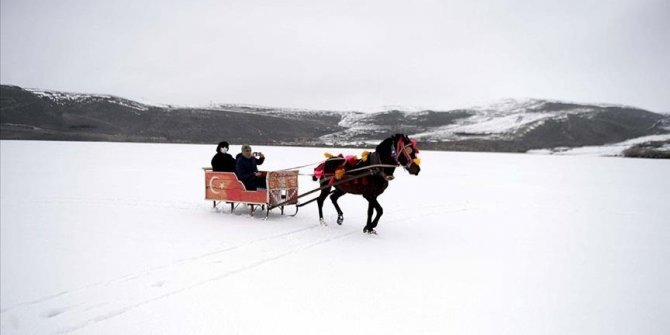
406	153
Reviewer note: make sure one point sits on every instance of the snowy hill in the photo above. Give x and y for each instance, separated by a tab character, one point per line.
504	126
64	98
101	242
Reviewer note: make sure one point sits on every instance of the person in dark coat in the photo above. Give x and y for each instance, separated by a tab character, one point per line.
223	161
246	168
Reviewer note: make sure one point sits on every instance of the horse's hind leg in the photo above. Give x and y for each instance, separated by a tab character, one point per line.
319	201
336	195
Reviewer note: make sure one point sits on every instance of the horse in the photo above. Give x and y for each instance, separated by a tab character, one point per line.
368	177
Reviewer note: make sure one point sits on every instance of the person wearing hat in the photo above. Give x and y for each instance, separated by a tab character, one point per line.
222	160
247	168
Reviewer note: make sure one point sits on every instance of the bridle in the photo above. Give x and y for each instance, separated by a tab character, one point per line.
402	149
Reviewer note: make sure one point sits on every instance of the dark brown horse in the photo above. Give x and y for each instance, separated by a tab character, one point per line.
367	177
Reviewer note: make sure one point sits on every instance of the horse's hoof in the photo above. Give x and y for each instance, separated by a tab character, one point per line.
322	222
369	231
340	219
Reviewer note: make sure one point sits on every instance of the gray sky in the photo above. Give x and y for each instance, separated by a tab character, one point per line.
341	54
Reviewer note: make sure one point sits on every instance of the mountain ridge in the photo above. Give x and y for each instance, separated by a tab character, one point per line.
509	125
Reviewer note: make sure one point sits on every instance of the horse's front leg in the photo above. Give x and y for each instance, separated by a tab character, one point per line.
319	201
336	195
373	205
379	210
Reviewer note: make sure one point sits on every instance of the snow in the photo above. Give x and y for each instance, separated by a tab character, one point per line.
506	118
62	97
612	149
510	105
518	105
115	238
486	124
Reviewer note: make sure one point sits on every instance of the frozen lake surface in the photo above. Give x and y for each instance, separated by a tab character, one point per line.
116	238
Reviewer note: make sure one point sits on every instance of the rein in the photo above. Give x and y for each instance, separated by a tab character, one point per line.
372	167
400	148
302	166
369	167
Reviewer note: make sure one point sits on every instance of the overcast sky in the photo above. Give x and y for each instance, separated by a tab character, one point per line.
341	54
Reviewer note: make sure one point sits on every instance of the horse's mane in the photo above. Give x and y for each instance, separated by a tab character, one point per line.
385	153
385	148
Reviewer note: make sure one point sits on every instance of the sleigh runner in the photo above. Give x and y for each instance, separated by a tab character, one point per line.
281	190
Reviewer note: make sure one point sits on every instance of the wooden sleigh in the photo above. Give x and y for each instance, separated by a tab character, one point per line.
281	190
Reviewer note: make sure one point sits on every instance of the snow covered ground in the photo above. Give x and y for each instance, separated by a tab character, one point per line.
115	238
613	149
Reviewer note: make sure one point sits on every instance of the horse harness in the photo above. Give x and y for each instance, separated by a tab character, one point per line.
403	149
375	167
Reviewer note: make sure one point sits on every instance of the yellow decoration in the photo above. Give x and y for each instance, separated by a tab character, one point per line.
339	173
417	161
364	155
328	155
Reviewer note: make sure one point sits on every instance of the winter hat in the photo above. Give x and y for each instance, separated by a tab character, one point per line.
223	144
246	147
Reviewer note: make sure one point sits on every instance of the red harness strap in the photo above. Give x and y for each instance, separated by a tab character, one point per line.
401	148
